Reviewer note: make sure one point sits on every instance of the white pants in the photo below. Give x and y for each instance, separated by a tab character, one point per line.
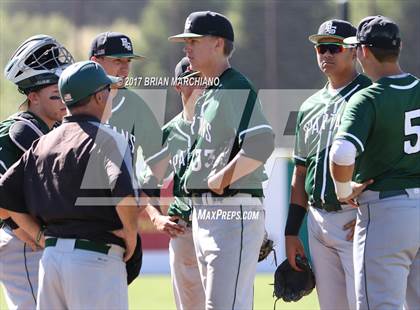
18	271
186	281
227	251
79	279
332	257
387	252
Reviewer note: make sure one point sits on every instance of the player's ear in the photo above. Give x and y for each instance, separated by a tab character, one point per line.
33	97
99	98
219	43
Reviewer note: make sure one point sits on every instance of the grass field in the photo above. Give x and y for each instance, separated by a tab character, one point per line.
153	292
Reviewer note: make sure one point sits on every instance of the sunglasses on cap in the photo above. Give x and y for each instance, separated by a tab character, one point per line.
333	48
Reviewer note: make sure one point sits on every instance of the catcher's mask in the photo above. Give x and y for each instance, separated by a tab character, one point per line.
37	62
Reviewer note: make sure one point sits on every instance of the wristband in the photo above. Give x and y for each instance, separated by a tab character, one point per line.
11	223
294	219
343	190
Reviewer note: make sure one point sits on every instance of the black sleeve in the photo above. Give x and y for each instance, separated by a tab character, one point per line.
12	196
23	135
259	147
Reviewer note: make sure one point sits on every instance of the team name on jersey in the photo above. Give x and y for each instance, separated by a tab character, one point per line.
179	160
205	129
319	123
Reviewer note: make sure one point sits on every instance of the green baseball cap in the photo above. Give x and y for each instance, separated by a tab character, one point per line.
83	79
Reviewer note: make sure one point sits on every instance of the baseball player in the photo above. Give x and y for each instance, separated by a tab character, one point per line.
225	171
178	139
380	128
330	224
130	114
78	182
35	68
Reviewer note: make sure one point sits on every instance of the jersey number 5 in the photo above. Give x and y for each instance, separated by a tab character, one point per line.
412	130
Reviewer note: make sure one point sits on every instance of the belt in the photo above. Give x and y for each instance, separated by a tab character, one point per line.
329	207
82	244
209	198
369	195
389	194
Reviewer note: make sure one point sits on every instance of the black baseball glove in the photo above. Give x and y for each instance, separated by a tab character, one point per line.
291	285
133	265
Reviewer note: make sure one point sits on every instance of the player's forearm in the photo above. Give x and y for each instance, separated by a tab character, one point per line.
342	158
26	222
341	173
297	209
127	211
153	211
298	194
236	169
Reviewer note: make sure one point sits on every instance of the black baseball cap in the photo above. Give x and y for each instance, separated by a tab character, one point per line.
183	69
113	44
205	23
377	31
333	29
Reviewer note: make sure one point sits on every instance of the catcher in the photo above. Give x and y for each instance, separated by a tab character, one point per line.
34	68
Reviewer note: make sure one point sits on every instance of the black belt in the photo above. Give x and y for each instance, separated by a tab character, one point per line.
393	193
82	245
337	207
229	193
329	207
200	194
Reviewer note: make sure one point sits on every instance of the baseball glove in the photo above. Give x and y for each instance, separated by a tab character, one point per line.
133	265
266	248
291	285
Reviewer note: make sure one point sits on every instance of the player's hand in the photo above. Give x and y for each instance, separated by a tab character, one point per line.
130	240
357	188
168	225
350	227
26	238
294	247
214	183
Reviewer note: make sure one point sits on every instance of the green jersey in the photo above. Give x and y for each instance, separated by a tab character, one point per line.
317	124
178	138
383	123
17	133
136	122
225	115
16	136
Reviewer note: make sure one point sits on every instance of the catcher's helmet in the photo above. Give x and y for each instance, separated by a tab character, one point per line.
37	62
